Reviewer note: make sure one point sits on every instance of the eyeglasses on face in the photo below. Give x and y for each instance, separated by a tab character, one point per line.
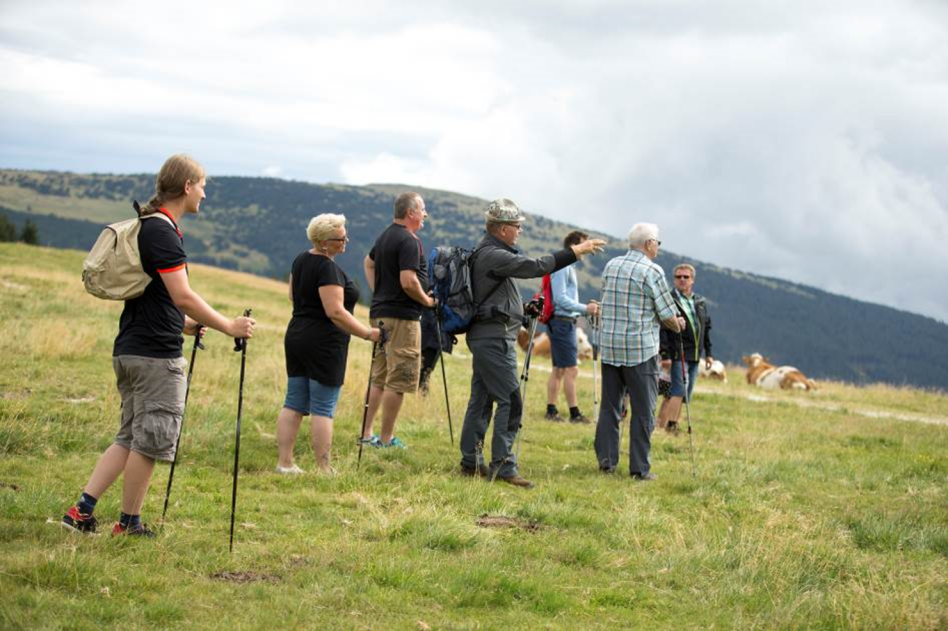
342	239
682	276
657	242
516	226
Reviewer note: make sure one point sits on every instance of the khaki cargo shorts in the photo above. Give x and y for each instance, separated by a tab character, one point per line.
152	392
398	368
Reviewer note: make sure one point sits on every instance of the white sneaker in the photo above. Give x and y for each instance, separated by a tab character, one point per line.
294	470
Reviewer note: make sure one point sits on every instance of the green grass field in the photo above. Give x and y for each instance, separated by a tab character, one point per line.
825	510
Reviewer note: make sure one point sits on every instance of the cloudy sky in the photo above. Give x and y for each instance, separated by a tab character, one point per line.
806	140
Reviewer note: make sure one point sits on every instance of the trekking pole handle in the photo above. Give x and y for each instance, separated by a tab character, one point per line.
241	342
198	334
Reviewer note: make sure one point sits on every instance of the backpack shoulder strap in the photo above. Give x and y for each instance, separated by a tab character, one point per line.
493	290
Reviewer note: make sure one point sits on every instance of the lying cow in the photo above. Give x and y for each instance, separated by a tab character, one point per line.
716	371
541	343
760	372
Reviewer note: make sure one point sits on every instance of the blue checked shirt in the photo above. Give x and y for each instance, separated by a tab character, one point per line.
635	299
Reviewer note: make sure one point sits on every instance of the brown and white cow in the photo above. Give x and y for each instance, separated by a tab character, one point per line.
760	372
716	371
541	343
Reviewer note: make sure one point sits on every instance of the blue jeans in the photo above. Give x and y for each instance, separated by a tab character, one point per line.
562	343
308	396
678	386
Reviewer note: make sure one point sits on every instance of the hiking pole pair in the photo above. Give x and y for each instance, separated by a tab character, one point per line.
376	347
524	380
240	345
197	345
444	377
684	379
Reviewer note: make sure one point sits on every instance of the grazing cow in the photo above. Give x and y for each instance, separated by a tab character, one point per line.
760	372
541	343
716	371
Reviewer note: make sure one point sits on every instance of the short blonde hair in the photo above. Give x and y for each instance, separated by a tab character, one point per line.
322	227
687	266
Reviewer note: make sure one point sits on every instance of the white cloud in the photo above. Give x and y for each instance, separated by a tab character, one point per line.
806	141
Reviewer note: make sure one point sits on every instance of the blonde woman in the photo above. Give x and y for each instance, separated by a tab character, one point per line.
317	341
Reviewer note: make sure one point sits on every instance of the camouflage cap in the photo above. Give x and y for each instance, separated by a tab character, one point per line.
503	210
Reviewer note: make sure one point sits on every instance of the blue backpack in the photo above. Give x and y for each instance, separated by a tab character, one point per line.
449	276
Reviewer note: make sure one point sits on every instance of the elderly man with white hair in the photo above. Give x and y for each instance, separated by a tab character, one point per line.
636	302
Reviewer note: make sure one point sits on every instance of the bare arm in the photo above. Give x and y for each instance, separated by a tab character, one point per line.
198	310
410	284
368	265
332	299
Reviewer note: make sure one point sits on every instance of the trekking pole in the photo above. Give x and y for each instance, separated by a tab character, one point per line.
187	392
595	324
240	345
365	409
444	377
684	378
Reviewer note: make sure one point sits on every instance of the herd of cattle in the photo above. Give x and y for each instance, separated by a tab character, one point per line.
760	372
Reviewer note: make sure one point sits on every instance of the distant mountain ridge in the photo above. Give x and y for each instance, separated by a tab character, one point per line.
258	225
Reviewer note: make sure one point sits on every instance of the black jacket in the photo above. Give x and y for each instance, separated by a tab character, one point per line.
693	341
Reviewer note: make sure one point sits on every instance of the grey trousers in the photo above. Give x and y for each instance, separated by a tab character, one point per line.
641	382
494	381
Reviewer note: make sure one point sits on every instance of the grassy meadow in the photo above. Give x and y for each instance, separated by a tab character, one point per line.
825	509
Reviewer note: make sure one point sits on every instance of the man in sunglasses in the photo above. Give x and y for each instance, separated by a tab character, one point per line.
693	339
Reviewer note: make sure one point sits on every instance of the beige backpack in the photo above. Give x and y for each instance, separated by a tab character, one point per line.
113	269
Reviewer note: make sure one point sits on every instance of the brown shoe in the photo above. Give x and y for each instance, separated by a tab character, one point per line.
516	480
474	471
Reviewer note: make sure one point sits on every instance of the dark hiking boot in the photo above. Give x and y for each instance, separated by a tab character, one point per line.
141	530
672	428
79	522
472	472
516	480
644	477
553	416
580	420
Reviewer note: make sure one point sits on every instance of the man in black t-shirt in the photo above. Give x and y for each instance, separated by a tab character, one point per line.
397	274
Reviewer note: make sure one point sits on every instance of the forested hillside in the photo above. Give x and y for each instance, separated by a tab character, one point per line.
258	225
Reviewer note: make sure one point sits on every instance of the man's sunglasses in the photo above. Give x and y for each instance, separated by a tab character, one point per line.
681	276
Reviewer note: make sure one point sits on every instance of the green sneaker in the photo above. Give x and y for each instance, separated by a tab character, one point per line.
373	441
395	442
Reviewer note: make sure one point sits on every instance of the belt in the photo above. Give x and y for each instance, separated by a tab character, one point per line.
564	318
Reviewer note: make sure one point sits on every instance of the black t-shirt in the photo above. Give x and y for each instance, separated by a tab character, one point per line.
395	250
315	347
151	324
